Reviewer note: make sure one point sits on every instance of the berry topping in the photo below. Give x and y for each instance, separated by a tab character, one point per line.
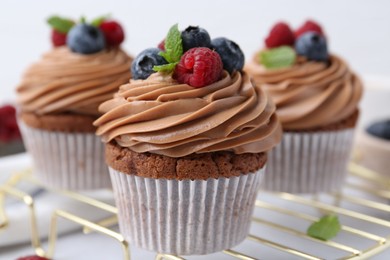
161	45
313	46
86	39
61	27
280	57
33	257
199	67
309	26
380	129
113	33
143	64
195	36
9	129
58	39
231	55
173	50
280	35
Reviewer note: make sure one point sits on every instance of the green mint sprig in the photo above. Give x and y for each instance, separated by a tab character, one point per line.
281	57
325	228
60	24
83	19
173	50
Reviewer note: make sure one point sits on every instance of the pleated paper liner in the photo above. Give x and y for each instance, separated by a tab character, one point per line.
185	217
309	162
73	161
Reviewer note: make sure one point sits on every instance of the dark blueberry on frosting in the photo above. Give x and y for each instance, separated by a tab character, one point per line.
313	46
86	39
380	129
143	64
194	36
232	56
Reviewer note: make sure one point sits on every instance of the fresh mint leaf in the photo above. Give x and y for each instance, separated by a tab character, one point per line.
83	19
173	45
165	55
99	20
173	50
60	24
166	68
280	57
325	228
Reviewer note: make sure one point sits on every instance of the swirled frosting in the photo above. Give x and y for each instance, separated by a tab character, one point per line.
161	116
310	94
63	81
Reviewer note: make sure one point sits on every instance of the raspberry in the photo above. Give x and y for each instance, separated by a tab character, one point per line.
113	32
309	26
57	38
9	129
280	35
161	45
5	136
199	67
7	111
12	127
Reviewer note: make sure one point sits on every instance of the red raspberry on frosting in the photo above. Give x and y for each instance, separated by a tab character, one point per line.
58	38
308	26
113	32
161	45
280	35
199	67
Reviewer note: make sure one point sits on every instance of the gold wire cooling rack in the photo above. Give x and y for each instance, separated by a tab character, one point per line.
363	202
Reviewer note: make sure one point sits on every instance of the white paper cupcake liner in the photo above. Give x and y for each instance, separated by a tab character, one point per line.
309	162
72	161
185	217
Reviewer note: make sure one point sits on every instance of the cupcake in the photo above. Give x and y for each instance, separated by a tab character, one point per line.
316	97
186	142
59	97
373	147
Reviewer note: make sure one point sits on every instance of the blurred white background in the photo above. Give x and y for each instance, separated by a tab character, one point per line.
358	30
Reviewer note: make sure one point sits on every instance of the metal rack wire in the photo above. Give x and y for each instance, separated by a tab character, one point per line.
364	190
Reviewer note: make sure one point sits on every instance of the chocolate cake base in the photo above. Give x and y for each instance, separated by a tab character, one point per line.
192	167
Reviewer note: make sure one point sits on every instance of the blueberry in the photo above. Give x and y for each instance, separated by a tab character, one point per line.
142	66
195	36
85	39
231	55
313	46
380	129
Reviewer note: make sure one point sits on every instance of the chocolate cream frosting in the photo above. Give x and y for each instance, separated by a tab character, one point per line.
310	94
64	81
161	116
